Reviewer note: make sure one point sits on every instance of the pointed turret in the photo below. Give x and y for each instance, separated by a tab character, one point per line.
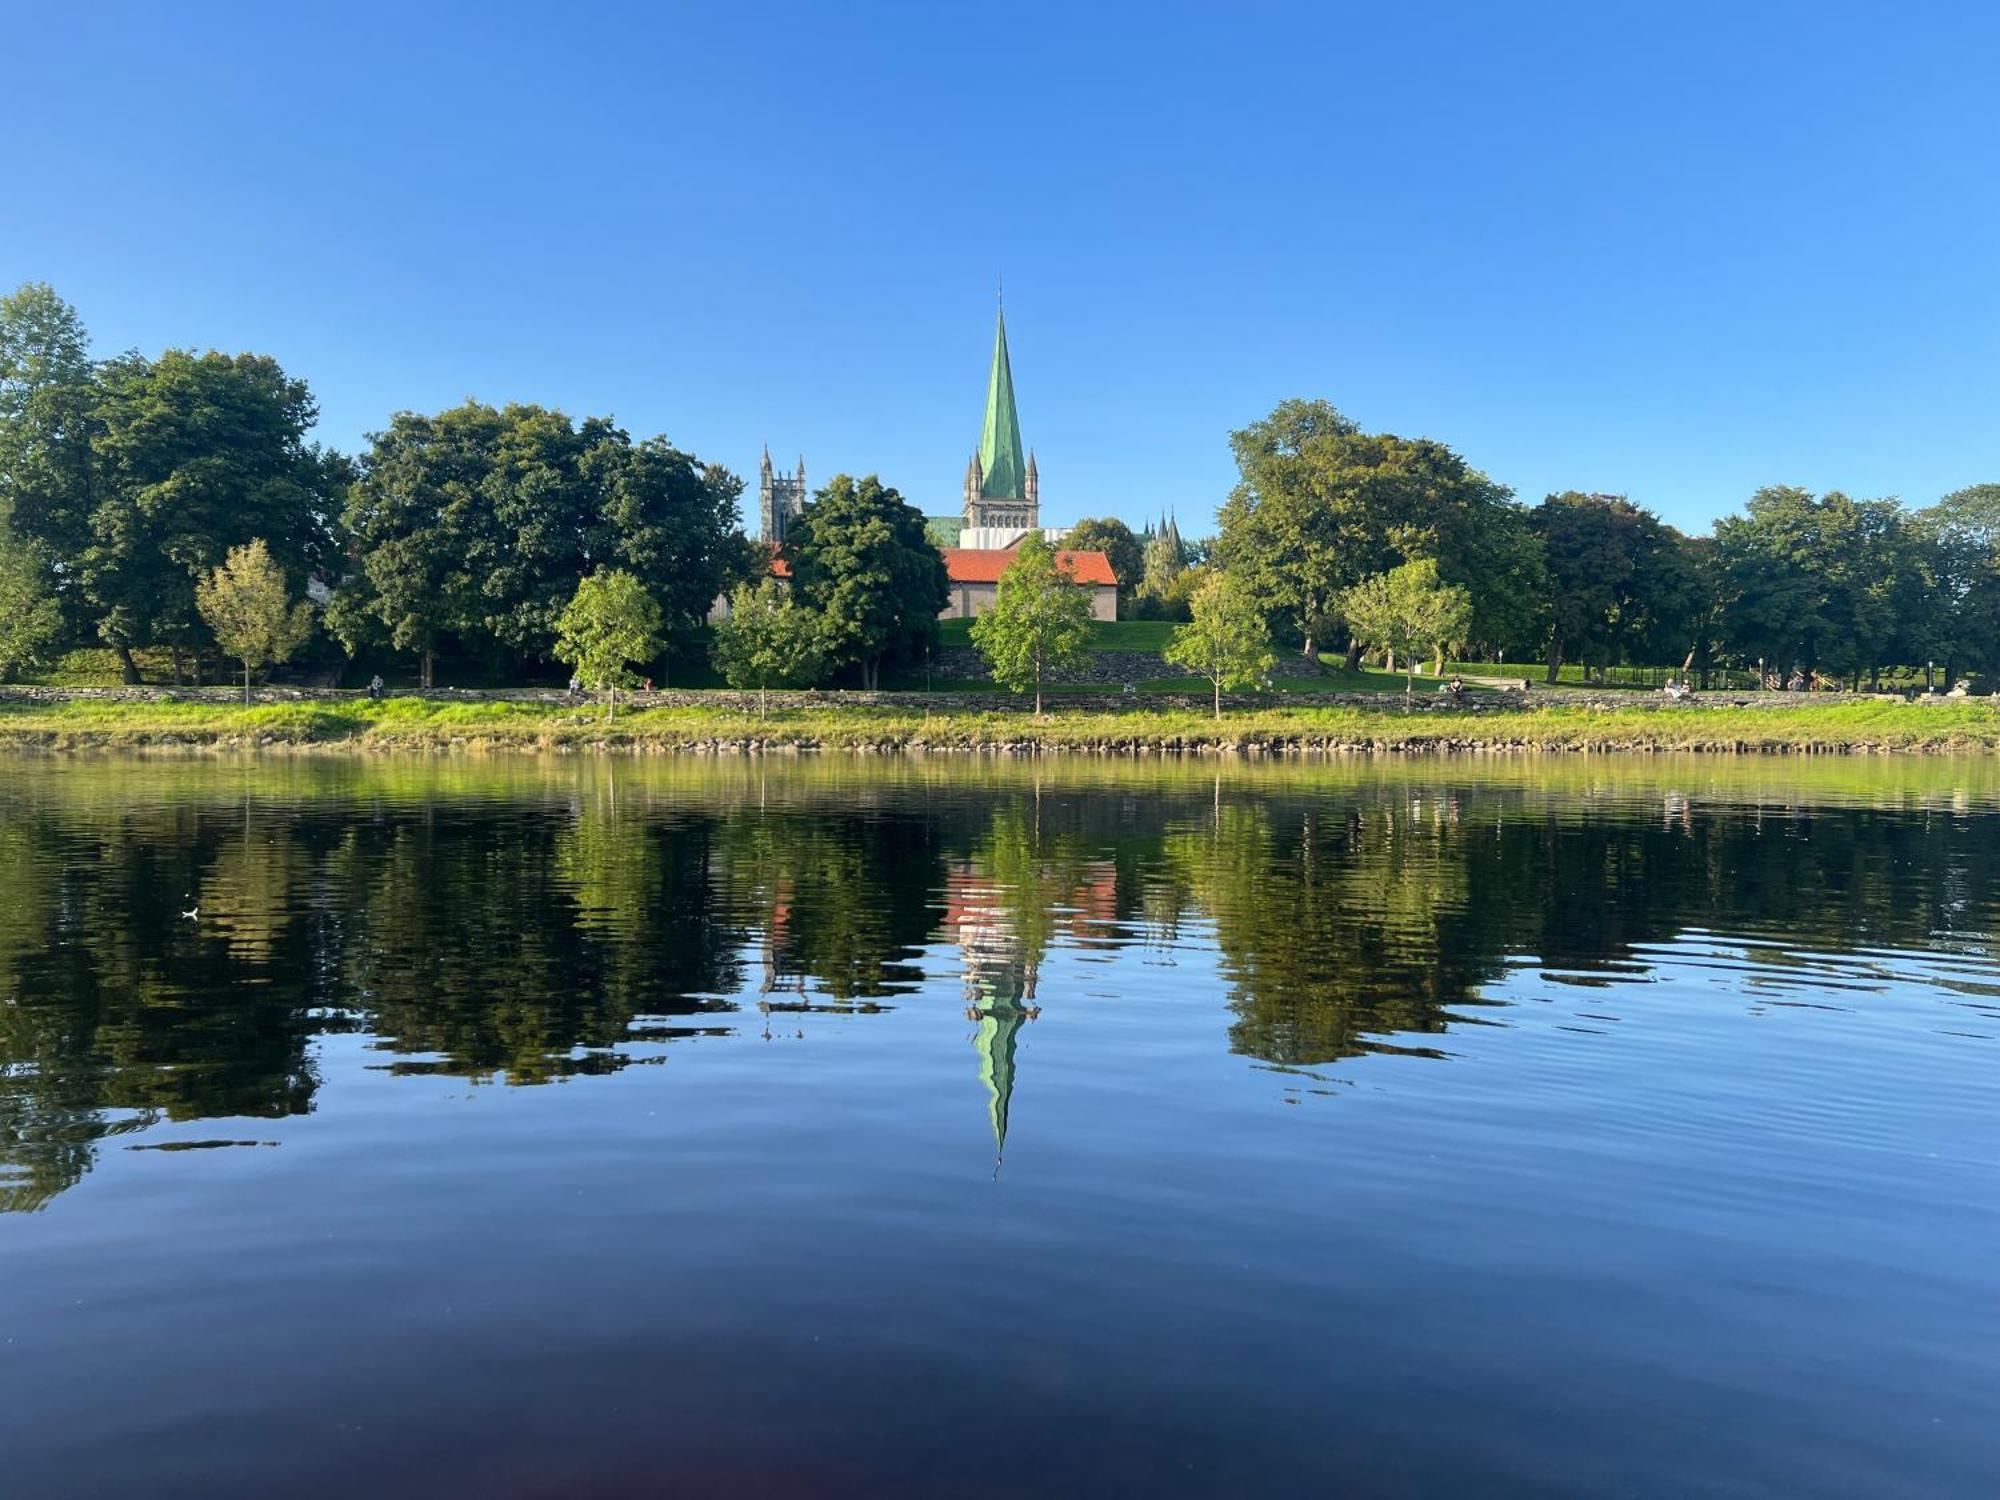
1034	483
765	467
1003	471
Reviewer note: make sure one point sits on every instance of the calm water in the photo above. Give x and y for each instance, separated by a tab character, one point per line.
547	1128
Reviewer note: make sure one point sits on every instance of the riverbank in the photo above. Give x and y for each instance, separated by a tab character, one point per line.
727	725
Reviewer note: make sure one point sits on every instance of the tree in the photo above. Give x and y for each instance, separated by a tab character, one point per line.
1963	617
1408	613
767	641
248	607
1226	640
1825	583
475	524
48	401
197	454
1120	547
30	618
1039	624
1166	563
862	561
1321	505
610	623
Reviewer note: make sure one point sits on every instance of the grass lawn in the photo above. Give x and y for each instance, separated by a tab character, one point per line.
1966	726
1105	635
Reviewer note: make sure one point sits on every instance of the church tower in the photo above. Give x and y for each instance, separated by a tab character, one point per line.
1001	486
780	499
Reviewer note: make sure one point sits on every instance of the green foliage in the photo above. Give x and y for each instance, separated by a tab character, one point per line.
862	561
768	641
1165	562
609	624
1825	583
1409	613
1039	625
48	399
197	454
1225	640
1321	505
1115	540
1620	583
476	523
247	605
30	618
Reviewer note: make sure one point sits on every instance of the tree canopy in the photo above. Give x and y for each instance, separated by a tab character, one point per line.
1225	639
861	560
247	605
1039	625
768	640
610	625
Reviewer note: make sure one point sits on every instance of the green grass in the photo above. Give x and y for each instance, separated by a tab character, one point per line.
409	723
1105	635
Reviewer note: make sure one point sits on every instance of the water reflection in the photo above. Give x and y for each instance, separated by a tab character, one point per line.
527	923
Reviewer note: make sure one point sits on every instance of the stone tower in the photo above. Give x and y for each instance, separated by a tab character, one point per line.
780	498
1001	486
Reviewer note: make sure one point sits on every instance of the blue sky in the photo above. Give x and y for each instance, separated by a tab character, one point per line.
1675	251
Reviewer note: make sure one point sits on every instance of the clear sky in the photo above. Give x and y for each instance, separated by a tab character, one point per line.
1677	251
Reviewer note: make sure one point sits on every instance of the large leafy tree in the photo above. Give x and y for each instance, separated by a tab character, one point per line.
1112	537
861	560
1961	534
1617	580
477	523
412	524
48	401
668	519
197	453
1039	625
1823	582
1321	505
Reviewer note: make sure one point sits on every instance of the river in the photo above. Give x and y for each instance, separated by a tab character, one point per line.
516	1126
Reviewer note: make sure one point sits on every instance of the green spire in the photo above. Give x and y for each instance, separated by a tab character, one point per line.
1002	469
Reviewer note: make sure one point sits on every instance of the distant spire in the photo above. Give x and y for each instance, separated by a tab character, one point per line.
1003	472
767	458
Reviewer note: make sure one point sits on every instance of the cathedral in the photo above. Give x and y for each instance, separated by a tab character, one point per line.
1002	499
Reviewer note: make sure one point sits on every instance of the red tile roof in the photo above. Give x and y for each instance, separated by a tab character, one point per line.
985	565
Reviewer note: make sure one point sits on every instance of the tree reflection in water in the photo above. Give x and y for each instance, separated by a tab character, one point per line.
526	923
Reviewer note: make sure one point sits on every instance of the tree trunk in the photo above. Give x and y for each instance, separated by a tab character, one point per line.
246	684
128	669
1440	660
1311	652
175	657
424	670
611	700
1353	654
1218	697
1555	660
